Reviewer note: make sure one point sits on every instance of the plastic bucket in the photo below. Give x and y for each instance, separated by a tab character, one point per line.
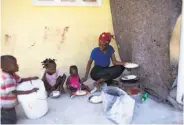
35	104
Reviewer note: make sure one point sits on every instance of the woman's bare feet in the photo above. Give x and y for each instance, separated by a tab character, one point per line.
93	90
87	88
97	84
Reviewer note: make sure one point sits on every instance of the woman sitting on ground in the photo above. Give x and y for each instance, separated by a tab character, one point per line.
102	56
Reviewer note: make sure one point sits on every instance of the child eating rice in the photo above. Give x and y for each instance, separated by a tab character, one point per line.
73	82
53	79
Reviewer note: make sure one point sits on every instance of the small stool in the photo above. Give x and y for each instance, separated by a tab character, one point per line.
126	86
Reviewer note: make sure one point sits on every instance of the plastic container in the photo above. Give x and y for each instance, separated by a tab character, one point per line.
144	97
95	99
129	79
132	91
35	104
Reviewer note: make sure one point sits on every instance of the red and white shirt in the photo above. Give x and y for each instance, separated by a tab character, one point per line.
8	84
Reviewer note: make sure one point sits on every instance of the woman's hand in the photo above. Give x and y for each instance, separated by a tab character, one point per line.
124	63
115	62
84	79
88	67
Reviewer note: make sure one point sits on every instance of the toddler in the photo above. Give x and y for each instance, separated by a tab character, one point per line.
73	82
53	79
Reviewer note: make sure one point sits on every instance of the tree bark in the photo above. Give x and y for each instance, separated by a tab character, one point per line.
143	30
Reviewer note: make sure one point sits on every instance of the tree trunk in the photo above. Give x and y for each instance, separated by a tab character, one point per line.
143	30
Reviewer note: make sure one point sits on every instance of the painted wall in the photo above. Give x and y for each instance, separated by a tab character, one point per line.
174	46
67	34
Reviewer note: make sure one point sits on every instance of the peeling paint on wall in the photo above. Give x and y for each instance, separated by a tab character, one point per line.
26	25
32	45
63	34
56	33
9	43
7	38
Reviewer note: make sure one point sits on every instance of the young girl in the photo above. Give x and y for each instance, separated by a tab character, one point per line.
53	79
73	82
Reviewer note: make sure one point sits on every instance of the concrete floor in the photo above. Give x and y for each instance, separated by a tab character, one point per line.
78	110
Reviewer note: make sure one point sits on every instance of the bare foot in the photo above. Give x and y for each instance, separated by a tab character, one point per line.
71	96
96	84
88	89
62	90
48	93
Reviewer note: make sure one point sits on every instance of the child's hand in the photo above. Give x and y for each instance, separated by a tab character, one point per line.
34	89
53	88
34	78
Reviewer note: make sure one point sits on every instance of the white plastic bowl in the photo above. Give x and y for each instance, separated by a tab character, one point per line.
95	99
129	77
131	65
55	94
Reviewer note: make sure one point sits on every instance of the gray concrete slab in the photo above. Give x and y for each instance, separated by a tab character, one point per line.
78	110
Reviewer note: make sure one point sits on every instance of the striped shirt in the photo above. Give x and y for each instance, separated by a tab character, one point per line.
8	84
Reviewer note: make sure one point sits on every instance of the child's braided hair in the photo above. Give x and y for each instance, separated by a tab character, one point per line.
46	62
